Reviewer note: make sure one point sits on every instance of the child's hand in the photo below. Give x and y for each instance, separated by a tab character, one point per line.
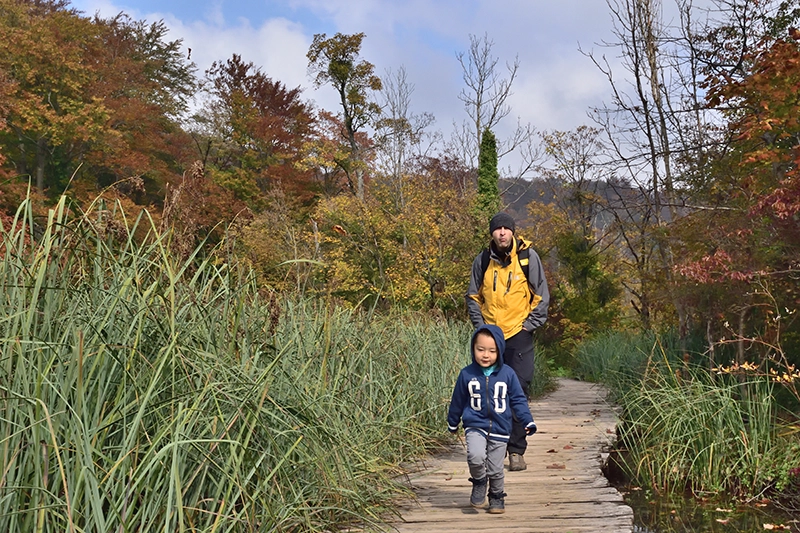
530	429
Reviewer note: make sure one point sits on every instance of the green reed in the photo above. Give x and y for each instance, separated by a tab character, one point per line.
142	392
682	427
702	433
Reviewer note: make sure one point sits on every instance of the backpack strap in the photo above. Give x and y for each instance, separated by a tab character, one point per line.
524	259
484	262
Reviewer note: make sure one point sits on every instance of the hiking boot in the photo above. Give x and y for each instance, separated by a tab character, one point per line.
497	502
516	462
478	496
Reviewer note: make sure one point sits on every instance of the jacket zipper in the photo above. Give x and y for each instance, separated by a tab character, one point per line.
488	407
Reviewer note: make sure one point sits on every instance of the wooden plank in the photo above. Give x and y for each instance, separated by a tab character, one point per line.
563	488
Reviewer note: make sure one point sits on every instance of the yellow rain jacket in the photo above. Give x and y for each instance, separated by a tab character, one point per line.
503	296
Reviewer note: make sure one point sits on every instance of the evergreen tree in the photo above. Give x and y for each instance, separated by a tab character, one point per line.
488	201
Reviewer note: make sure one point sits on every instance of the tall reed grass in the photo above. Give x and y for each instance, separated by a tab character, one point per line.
684	428
142	392
618	359
701	433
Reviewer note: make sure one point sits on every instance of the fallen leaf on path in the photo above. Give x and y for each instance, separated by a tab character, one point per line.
556	466
568	447
552	450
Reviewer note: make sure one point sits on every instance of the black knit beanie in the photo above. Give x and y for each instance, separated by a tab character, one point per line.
502	220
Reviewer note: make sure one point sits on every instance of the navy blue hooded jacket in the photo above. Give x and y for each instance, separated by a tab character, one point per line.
485	403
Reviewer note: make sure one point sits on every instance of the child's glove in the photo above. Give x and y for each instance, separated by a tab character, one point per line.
530	429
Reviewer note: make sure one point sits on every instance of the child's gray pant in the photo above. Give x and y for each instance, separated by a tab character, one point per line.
485	458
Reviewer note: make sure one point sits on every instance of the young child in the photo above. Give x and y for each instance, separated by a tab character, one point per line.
486	394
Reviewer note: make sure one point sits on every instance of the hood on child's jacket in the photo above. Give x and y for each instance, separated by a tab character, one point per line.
488	403
499	339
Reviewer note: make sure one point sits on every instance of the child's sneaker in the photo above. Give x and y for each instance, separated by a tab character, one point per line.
497	502
478	496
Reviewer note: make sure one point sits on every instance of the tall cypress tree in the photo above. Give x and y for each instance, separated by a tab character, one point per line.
488	201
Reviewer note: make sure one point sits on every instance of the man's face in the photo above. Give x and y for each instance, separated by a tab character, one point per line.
502	237
485	350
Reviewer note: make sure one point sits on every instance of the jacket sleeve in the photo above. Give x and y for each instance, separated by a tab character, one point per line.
456	404
538	283
473	297
518	401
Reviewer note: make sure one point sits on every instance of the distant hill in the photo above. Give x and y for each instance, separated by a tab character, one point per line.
623	200
517	194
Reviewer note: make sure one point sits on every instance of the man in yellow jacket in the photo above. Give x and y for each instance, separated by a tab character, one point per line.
507	288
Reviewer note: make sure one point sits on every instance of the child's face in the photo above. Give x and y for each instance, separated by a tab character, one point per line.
485	350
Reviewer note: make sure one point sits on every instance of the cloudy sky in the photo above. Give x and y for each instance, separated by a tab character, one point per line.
555	87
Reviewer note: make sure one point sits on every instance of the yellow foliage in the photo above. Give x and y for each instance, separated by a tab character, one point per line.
413	245
282	251
547	221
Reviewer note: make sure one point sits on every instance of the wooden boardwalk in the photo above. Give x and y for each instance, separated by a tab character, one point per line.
563	489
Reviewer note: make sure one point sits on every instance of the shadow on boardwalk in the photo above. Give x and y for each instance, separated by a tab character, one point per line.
563	489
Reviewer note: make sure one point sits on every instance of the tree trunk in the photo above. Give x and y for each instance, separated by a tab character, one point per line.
41	159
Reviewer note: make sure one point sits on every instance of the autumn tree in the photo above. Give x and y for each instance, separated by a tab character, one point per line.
437	225
335	61
49	112
199	213
416	257
92	101
358	247
326	155
401	135
578	229
252	133
146	82
657	129
755	245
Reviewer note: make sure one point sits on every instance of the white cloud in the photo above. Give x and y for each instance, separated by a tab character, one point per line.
556	84
559	95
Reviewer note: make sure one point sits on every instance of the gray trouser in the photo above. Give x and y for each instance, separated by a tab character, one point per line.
485	458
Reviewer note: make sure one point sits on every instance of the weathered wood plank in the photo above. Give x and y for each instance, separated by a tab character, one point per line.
563	488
